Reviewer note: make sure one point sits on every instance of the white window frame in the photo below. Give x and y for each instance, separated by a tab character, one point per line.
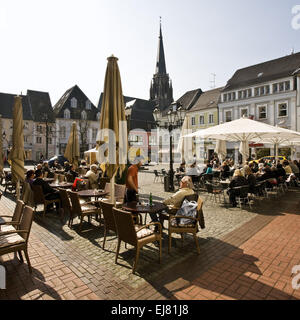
73	102
258	111
287	109
213	120
244	108
67	114
201	116
225	117
62	132
193	121
88	105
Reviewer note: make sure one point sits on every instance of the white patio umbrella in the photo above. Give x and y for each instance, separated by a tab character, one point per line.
221	149
185	145
246	130
244	150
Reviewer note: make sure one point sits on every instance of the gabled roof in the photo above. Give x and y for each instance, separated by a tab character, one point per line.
7	103
126	99
41	106
208	99
75	113
142	115
267	71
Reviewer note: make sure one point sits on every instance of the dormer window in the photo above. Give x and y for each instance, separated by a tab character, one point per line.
67	114
74	103
83	115
98	116
88	105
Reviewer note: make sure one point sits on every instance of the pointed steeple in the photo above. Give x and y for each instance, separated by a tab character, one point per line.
161	62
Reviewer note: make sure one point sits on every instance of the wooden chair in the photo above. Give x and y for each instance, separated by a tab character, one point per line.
175	227
86	209
137	236
109	221
13	220
39	198
17	240
27	194
120	190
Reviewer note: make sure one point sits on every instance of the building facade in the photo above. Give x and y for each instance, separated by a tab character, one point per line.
267	92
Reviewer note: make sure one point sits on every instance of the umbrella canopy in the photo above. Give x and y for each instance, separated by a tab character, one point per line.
185	145
1	147
112	136
17	153
221	149
72	149
243	129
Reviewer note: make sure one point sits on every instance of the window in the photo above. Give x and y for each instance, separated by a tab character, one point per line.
240	94
98	116
282	110
88	105
249	93
233	96
39	129
244	112
201	120
228	116
211	118
256	92
49	140
267	89
67	114
38	139
74	103
225	97
262	112
287	86
94	133
281	86
62	132
275	87
25	138
83	115
244	95
193	121
262	91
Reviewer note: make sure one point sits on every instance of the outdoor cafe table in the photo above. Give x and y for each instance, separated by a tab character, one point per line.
64	185
91	193
136	208
48	179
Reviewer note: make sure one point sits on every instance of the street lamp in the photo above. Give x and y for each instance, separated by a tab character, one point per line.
175	117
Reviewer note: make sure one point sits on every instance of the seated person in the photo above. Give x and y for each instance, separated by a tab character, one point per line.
182	167
287	168
225	171
175	202
93	176
49	193
39	166
29	177
251	180
56	165
72	171
46	168
209	169
67	166
193	170
280	174
238	180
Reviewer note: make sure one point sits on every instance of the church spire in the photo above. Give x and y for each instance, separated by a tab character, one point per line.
161	62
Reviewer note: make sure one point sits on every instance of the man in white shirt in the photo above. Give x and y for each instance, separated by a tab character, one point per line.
93	176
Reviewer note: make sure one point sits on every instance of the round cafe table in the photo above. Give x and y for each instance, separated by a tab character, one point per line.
91	193
136	208
64	185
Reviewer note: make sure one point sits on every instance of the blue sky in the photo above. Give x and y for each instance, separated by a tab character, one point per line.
53	45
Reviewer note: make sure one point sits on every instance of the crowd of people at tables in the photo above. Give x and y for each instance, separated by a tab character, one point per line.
248	175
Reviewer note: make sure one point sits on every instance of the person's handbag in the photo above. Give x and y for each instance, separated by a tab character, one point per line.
188	209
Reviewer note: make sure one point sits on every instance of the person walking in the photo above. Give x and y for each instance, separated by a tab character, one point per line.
132	181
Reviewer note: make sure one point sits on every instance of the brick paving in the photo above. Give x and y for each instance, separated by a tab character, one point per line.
244	255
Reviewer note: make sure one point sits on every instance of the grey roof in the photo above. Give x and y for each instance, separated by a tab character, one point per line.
7	103
267	71
41	106
208	99
75	113
126	99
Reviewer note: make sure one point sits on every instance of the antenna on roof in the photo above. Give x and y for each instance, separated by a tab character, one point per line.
213	81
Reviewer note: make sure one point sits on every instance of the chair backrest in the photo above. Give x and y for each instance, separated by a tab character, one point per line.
69	177
65	201
18	211
125	226
103	182
209	187
156	173
107	187
107	210
61	177
76	208
26	222
38	195
120	190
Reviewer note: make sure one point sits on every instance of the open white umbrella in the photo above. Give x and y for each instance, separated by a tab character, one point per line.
244	150
221	149
185	145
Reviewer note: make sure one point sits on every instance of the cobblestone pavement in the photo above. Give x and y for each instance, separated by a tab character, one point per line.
244	254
